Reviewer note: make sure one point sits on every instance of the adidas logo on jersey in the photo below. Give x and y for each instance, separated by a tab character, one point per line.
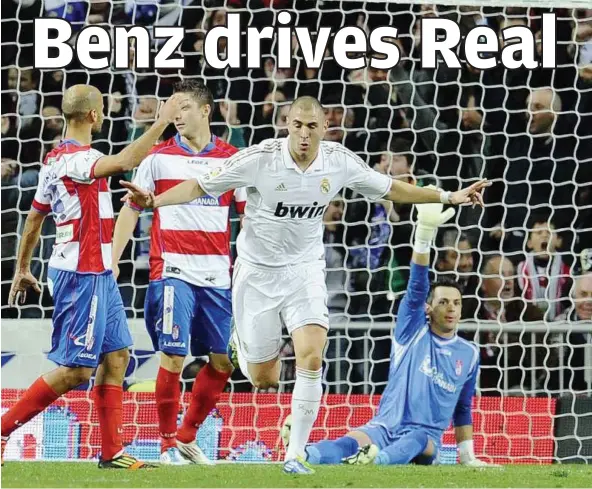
281	188
299	211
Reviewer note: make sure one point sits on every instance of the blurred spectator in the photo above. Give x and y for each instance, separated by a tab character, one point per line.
53	123
70	10
571	347
455	259
342	123
143	116
265	115
335	256
398	163
18	185
231	133
114	133
500	302
541	170
9	141
281	121
543	277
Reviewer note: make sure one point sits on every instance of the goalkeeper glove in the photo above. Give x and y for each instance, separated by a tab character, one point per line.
429	218
467	457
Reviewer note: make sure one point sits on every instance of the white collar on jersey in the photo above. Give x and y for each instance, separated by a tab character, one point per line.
440	340
316	165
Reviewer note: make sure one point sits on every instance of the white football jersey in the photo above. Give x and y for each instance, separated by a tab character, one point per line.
283	223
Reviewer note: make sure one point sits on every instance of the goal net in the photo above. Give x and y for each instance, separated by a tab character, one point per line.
524	261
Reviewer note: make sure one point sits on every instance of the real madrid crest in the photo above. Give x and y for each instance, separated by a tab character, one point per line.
325	186
214	173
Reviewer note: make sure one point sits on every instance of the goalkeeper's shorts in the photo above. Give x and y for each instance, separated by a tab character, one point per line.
265	299
182	317
383	437
88	319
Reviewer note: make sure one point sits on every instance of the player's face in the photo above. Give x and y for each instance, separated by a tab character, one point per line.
193	117
445	308
306	128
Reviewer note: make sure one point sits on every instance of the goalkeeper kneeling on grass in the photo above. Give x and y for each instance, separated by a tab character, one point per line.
432	374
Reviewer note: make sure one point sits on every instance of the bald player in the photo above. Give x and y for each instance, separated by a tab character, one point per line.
89	323
279	277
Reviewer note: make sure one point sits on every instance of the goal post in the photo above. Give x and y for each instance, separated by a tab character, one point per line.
526	129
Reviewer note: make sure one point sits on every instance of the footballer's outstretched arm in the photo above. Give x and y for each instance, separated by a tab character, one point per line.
180	194
23	278
239	170
405	193
184	192
412	309
130	157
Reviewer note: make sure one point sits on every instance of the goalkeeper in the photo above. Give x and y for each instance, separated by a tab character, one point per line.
432	374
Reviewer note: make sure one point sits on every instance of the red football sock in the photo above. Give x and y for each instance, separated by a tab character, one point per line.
109	405
209	384
168	393
35	399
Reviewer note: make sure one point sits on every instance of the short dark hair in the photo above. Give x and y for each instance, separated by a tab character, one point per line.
402	146
540	217
443	282
198	90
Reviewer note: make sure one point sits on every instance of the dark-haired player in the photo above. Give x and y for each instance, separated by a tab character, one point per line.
188	302
432	377
279	278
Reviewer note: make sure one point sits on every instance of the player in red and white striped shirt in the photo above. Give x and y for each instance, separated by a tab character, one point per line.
188	303
90	327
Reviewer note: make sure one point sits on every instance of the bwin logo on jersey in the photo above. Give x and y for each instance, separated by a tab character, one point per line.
299	211
437	377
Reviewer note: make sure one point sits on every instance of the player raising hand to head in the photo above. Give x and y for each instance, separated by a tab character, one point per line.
188	302
90	327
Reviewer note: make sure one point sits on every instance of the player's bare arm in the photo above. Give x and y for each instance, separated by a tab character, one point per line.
124	228
23	278
405	193
135	152
181	194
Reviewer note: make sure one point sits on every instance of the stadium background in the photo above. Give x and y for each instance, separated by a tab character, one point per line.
440	126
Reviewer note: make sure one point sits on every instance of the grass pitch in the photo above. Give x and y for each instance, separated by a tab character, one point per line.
44	474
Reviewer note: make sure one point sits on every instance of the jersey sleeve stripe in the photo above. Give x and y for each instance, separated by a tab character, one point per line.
92	168
240	206
39	207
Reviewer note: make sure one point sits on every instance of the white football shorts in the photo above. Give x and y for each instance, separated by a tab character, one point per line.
266	299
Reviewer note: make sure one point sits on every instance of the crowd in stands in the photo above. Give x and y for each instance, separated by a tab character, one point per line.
526	257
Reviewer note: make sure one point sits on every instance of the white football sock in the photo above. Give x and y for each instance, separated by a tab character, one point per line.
242	362
306	400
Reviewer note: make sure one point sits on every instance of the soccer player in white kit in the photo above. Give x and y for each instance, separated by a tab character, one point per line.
279	276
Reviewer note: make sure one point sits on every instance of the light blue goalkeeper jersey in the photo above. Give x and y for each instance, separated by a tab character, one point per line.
431	379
